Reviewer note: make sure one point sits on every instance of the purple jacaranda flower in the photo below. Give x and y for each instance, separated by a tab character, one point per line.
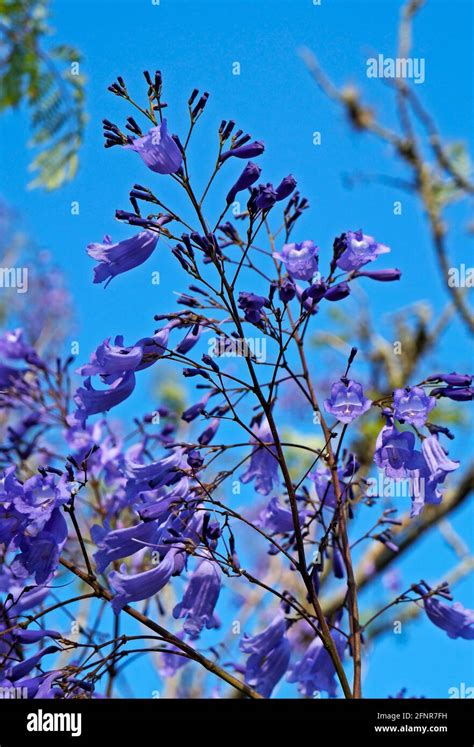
309	304
38	498
122	256
17	671
337	292
347	401
383	276
314	292
91	401
456	620
437	459
300	260
395	452
338	563
112	360
200	599
33	636
263	466
143	476
39	554
315	672
287	291
121	543
266	197
208	433
197	409
134	588
453	378
10	376
286	187
249	176
458	394
277	518
324	487
154	347
412	405
195	459
249	150
355	249
14	347
190	340
158	150
270	654
173	660
252	306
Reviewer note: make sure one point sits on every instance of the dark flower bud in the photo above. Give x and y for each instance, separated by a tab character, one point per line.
453	378
248	176
337	292
460	394
384	276
266	197
210	362
195	460
249	150
287	291
286	187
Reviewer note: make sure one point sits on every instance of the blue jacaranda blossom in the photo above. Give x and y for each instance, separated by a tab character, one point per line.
287	291
10	376
115	258
270	654
112	360
263	467
158	150
249	150
285	188
249	176
436	458
17	671
193	412
266	197
456	620
200	599
252	305
91	401
39	554
134	588
14	347
315	672
209	432
173	660
395	452
154	474
324	486
300	260
347	401
121	543
355	249
190	340
412	404
278	518
38	498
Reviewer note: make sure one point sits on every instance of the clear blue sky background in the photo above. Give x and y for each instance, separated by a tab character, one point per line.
195	44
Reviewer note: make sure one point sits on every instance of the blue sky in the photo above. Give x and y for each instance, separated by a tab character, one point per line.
195	45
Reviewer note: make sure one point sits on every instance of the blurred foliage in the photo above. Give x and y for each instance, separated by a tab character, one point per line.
49	82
